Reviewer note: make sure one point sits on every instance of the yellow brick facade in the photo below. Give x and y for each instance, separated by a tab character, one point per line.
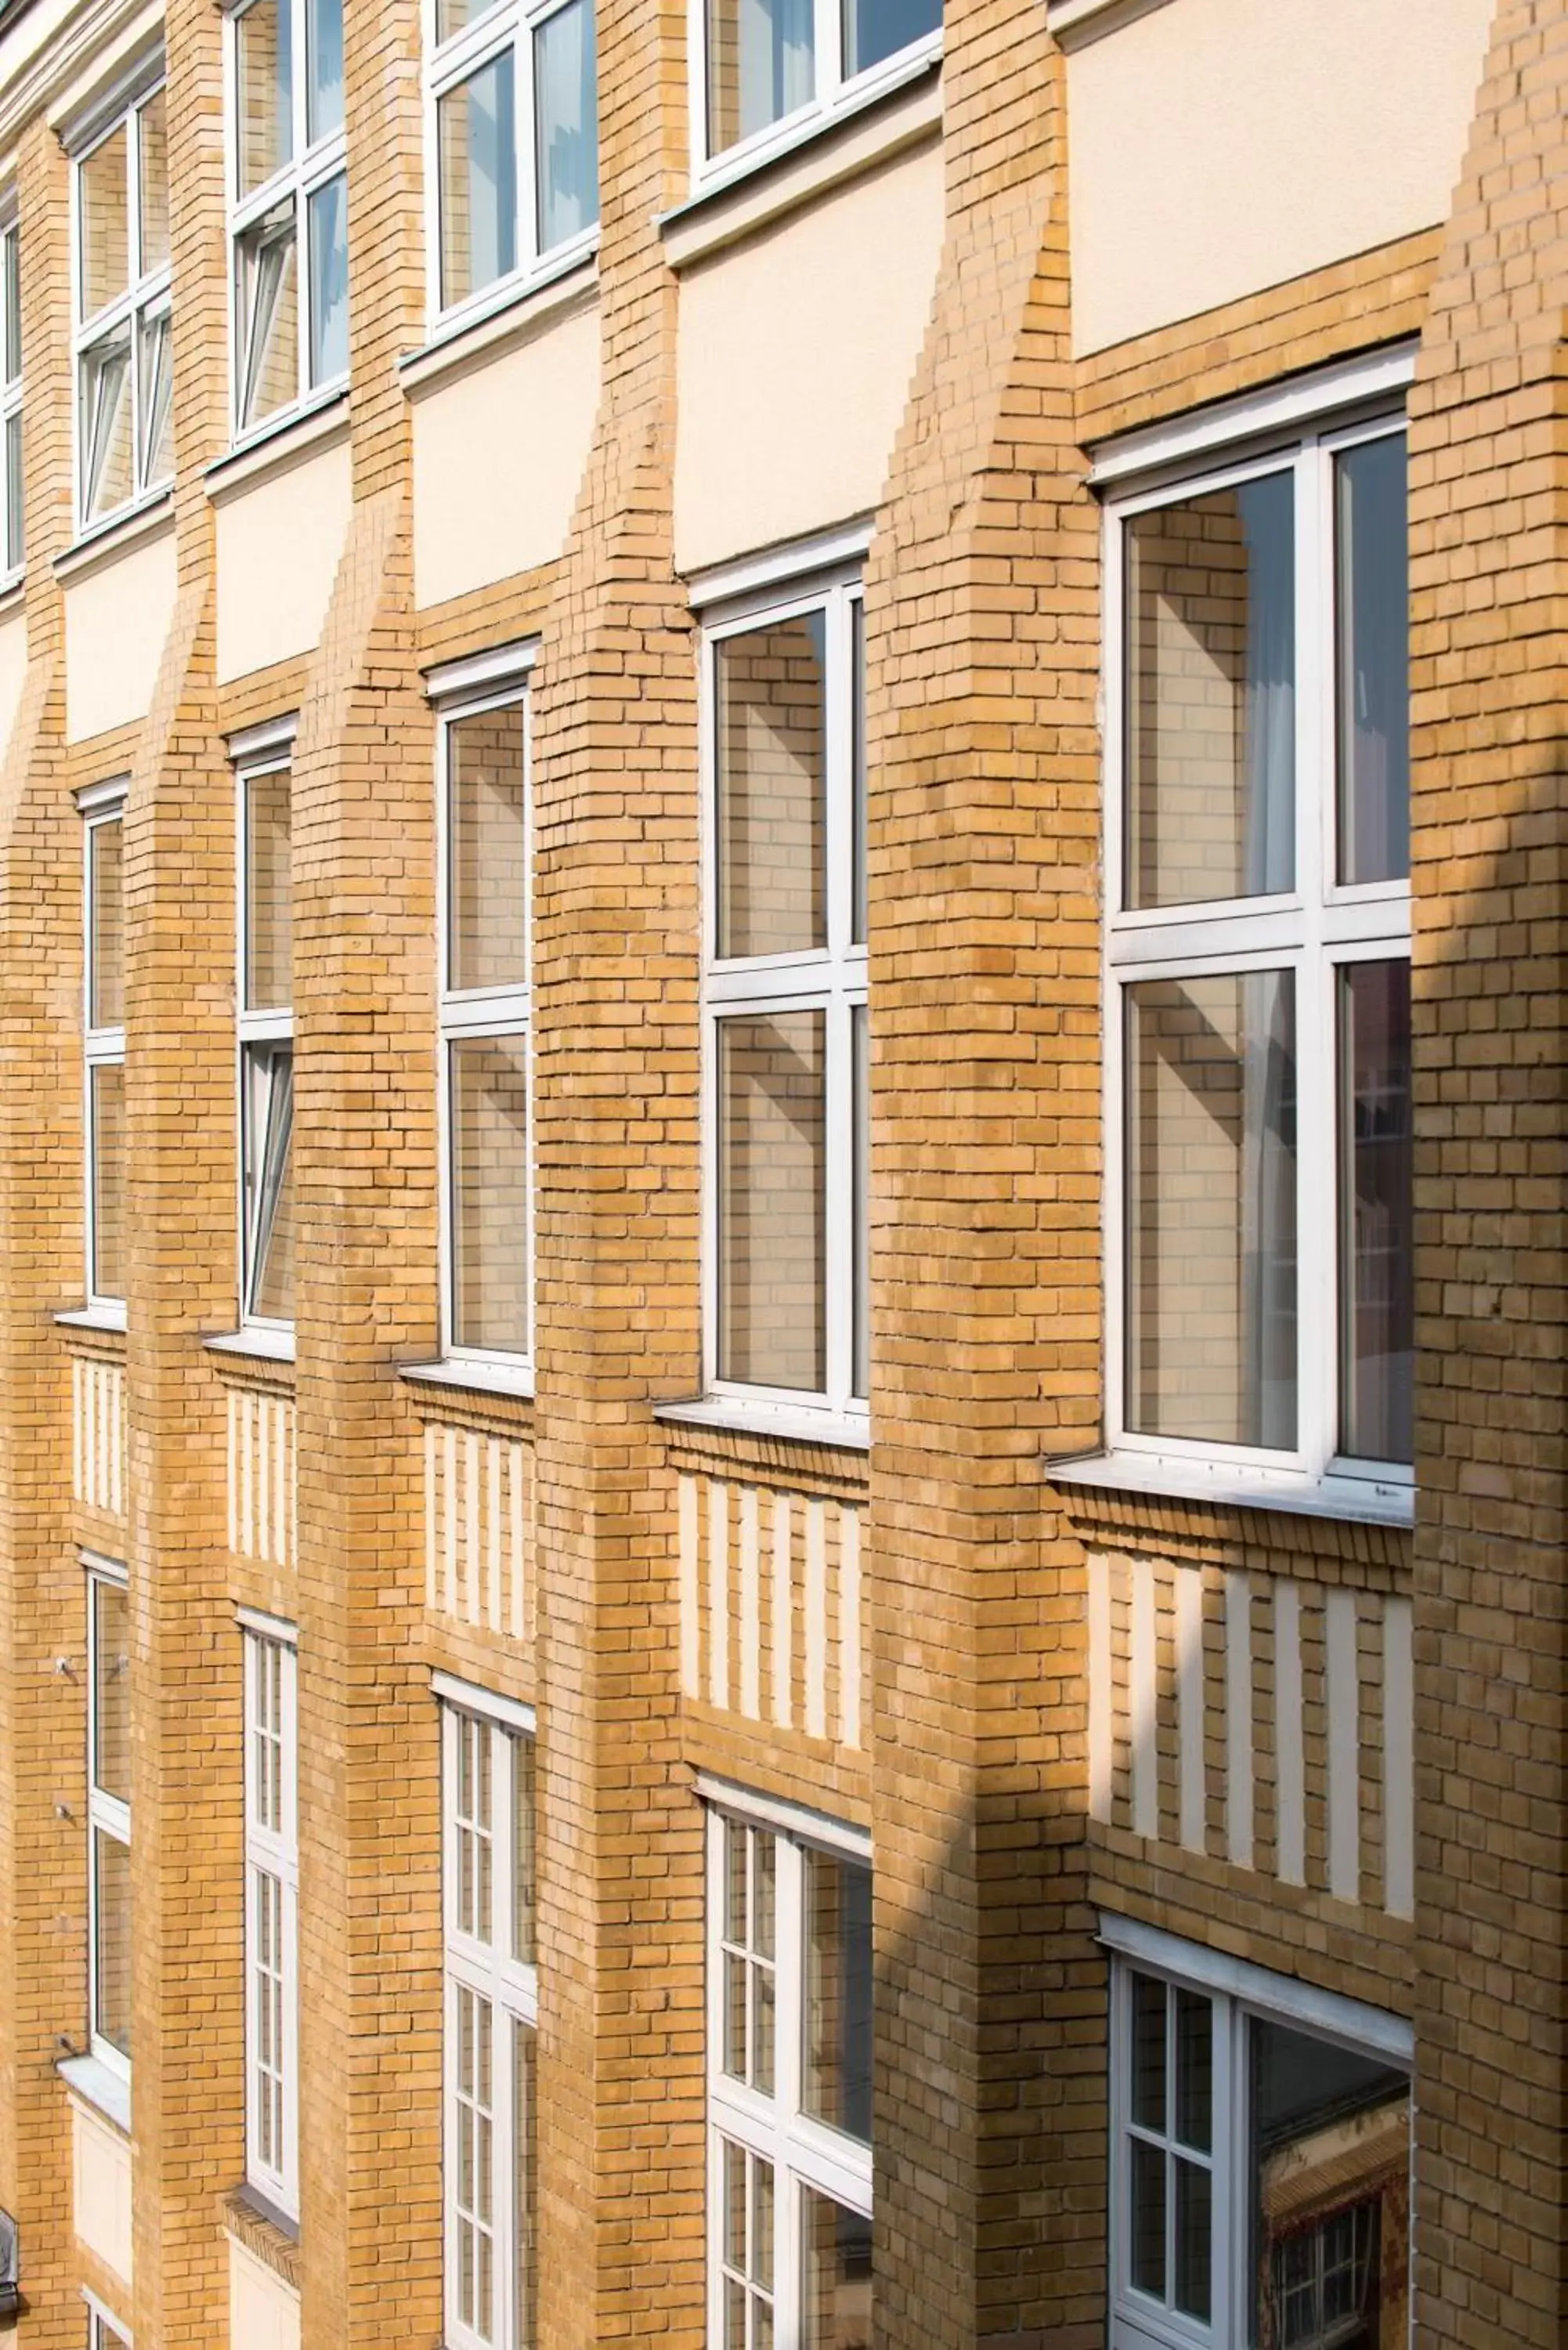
1331	1748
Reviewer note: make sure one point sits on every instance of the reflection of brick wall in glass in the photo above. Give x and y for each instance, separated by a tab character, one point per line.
1210	696
772	750
490	1193
269	924
488	908
772	1175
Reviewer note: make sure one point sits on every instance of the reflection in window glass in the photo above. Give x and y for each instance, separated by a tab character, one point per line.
269	890
487	912
103	197
268	297
111	1940
1210	696
1374	670
761	66
155	396
874	29
109	1235
771	731
566	130
154	126
264	47
489	1194
837	2080
329	214
476	133
324	50
270	1143
860	1054
111	1687
11	268
837	2299
771	1204
1211	1208
106	968
1377	1299
107	457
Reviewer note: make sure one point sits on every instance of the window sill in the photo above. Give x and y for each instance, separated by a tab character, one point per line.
521	311
1073	24
261	1345
255	2223
273	447
110	539
477	1379
94	1318
797	1424
91	2080
12	588
1356	1500
823	154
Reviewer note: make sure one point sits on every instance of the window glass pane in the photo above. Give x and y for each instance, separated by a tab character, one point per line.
1146	2233
487	785
111	1942
269	893
328	212
1194	2070
154	125
324	52
103	190
771	729
835	2311
1210	696
107	1270
1374	679
267	293
523	1850
1149	2052
838	2074
761	66
155	358
858	887
111	1688
264	66
271	1142
13	542
106	973
489	1194
106	447
525	2234
567	129
471	2159
874	29
860	1057
772	1174
1194	2239
10	264
1330	2181
1378	1291
476	130
1211	1209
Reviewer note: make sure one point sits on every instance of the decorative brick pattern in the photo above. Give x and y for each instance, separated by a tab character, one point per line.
97	1433
479	1517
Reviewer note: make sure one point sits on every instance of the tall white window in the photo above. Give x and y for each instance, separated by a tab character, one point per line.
772	69
266	1034
288	205
124	355
11	397
512	134
492	2012
104	2331
486	851
109	1815
272	1891
103	899
1259	1292
1260	2162
789	2086
785	1003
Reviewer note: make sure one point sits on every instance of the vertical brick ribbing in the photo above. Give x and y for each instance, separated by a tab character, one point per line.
980	621
1489	589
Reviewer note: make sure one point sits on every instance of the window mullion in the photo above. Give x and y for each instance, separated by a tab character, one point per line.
1317	1212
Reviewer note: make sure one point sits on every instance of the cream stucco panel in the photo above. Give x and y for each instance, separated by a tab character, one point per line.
263	2311
100	2188
279	540
12	672
499	453
117	620
796	353
1219	146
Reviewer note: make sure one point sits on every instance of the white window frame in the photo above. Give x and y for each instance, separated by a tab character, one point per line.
832	980
471	1013
267	750
147	298
10	395
510	26
107	1814
1312	930
833	97
804	2152
1241	1993
101	1047
489	1971
272	1854
308	170
105	2330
